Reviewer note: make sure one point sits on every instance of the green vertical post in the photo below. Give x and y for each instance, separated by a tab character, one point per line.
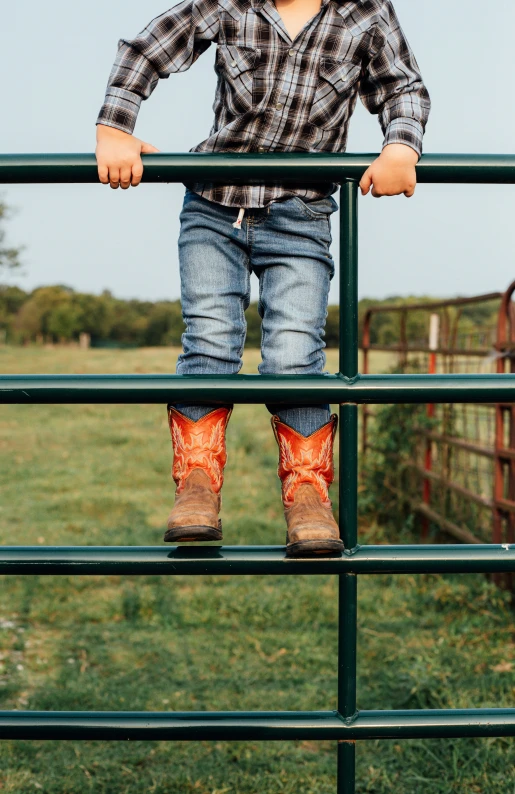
347	598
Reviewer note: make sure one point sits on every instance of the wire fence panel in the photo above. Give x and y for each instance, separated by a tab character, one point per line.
459	473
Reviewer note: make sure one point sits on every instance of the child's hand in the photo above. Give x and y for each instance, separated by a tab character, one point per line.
119	157
392	173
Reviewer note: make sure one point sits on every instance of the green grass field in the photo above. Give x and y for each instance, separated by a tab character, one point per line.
101	475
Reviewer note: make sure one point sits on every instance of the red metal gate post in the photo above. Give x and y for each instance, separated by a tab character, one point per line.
504	480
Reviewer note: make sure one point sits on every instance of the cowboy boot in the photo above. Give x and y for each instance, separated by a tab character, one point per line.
198	468
306	471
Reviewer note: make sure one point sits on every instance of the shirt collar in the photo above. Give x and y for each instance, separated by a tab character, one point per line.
257	4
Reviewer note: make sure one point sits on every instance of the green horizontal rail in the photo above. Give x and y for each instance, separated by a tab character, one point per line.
300	389
243	560
252	726
255	168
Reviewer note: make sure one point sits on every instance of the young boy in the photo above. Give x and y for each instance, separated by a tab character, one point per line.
289	73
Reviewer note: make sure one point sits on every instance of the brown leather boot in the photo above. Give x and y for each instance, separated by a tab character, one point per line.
306	471
198	470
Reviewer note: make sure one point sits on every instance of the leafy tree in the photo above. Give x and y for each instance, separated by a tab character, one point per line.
46	314
11	301
165	324
96	314
64	321
9	257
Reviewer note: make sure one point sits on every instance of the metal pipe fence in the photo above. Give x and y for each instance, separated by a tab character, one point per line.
347	725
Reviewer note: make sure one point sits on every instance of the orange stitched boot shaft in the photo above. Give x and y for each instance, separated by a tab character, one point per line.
199	445
305	459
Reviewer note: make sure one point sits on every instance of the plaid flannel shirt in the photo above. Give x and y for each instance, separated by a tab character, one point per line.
275	94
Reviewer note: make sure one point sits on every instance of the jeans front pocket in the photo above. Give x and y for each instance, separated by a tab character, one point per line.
317	210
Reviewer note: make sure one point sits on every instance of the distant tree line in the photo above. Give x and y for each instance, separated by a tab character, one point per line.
59	314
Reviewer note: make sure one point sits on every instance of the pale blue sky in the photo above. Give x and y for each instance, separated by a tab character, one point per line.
448	240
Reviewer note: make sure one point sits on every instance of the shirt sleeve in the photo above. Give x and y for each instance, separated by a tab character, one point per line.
392	87
170	43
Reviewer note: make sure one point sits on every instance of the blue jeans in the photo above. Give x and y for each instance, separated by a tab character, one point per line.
287	246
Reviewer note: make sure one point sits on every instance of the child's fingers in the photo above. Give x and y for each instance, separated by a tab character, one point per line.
137	173
103	174
125	177
366	182
114	177
410	192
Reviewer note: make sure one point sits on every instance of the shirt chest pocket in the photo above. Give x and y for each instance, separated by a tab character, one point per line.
336	86
235	67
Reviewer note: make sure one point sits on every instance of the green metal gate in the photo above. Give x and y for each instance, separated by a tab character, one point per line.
346	725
